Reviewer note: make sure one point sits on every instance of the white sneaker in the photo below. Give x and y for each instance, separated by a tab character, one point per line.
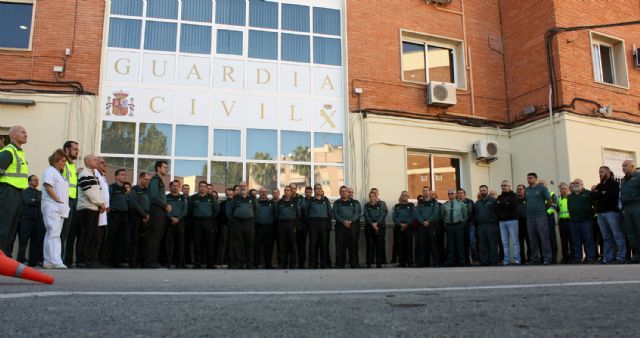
60	266
48	266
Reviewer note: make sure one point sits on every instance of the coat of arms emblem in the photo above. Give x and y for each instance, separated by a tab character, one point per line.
120	105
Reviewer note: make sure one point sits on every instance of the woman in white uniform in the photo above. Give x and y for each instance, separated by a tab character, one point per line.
55	208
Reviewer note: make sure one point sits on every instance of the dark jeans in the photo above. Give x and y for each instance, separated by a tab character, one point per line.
488	240
70	234
174	243
582	234
346	242
87	222
116	238
286	244
31	232
375	244
405	246
203	232
553	238
564	225
427	246
525	244
263	248
455	244
317	238
10	204
242	233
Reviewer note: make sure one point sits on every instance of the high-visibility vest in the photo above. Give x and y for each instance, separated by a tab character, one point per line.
17	174
551	209
71	175
563	205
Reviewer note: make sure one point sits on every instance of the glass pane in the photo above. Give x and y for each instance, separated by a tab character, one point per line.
148	165
230	12
326	21
446	175
160	36
413	64
294	173
118	137
15	25
261	144
327	51
331	178
225	174
163	9
190	172
607	64
126	7
263	45
327	148
440	61
295	48
154	139
418	173
197	10
229	42
295	18
263	14
597	66
226	142
115	163
262	175
295	146
191	141
195	39
124	33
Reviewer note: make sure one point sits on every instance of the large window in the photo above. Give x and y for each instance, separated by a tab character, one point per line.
439	172
609	60
613	159
16	24
427	58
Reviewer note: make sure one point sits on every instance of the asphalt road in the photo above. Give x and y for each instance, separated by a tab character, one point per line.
511	301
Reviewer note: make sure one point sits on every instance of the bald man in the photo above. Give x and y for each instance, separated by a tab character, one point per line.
14	177
630	199
90	205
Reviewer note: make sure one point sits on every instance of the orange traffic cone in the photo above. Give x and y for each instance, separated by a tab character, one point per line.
11	268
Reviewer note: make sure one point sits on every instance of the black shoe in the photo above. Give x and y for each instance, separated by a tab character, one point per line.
355	266
196	266
402	265
211	266
379	266
368	266
81	266
249	267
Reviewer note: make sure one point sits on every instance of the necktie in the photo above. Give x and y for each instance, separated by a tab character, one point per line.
451	213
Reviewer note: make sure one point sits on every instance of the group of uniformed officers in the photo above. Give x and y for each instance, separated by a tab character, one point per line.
147	228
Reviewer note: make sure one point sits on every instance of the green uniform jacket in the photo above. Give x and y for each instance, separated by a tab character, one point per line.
118	199
266	213
179	206
287	210
140	203
428	211
318	209
346	211
404	213
157	194
374	213
203	206
460	213
242	207
580	206
485	211
630	189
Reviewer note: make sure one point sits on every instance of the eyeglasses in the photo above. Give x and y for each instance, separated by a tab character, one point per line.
504	185
451	193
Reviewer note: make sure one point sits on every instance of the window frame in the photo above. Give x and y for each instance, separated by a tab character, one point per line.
431	181
457	46
33	22
618	55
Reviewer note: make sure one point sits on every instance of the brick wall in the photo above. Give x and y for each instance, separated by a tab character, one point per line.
53	32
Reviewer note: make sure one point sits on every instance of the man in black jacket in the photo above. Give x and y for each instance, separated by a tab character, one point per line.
31	229
605	196
506	207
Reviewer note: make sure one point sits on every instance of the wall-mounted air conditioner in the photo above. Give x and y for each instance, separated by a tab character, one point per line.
486	150
442	94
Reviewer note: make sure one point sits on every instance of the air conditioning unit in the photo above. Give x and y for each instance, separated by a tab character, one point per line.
486	150
636	54
442	94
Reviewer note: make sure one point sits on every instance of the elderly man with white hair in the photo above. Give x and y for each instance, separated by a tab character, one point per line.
14	177
90	204
630	199
581	215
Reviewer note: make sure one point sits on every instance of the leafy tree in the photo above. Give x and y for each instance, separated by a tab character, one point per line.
152	140
118	137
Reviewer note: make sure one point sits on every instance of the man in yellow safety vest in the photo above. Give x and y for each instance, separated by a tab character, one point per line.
70	230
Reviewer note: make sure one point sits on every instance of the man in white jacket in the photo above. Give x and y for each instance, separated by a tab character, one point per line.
102	219
90	205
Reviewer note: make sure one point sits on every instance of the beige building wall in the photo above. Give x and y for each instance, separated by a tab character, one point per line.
54	119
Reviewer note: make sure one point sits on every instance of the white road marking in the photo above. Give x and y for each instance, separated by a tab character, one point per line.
312	292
